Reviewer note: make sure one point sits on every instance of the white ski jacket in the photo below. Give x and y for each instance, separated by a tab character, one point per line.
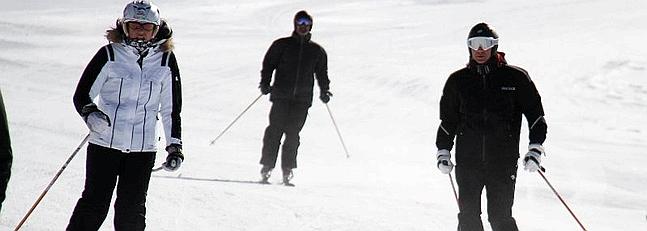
132	90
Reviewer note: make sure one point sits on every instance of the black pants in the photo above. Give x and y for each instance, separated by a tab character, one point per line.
499	184
286	117
103	166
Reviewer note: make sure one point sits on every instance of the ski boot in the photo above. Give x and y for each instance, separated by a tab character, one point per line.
287	176
266	172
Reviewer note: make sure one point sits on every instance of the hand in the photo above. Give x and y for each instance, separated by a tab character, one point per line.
95	119
532	161
444	161
325	96
265	89
174	158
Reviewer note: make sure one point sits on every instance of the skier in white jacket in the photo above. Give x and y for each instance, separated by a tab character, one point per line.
124	88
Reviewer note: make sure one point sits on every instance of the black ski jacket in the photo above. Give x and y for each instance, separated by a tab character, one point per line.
6	156
482	106
296	60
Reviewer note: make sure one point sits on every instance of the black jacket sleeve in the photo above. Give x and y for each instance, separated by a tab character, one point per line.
321	71
6	156
176	89
531	107
271	62
92	70
449	116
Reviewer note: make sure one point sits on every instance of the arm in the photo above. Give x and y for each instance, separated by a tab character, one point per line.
321	72
270	63
532	108
171	104
449	116
6	157
90	83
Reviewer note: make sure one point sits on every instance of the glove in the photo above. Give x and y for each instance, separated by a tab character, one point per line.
265	89
325	96
532	161
444	161
95	119
174	158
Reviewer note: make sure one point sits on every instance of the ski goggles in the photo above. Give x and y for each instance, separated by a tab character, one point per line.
482	42
303	22
133	25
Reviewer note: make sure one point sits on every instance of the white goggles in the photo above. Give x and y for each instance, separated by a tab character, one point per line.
482	42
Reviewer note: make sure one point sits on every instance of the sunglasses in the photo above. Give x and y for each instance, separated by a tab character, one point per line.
148	27
303	22
482	42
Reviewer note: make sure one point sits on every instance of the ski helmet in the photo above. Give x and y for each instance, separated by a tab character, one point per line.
141	11
484	30
302	17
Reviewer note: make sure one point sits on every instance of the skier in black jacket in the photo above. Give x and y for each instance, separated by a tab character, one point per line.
6	157
296	60
481	107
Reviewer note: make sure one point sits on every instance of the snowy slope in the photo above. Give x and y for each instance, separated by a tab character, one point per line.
388	61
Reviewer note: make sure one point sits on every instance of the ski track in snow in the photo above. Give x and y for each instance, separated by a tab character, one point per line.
388	61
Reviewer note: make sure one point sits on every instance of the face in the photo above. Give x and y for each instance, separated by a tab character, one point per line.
303	26
139	31
481	56
303	29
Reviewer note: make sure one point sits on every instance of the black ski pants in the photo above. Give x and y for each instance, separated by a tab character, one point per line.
499	183
103	167
286	117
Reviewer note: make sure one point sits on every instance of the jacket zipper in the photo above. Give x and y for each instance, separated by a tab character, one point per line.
484	119
296	80
114	122
150	91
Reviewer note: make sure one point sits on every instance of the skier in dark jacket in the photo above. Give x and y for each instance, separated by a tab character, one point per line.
481	107
297	60
6	156
123	89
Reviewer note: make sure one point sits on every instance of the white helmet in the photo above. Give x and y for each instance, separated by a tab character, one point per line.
141	11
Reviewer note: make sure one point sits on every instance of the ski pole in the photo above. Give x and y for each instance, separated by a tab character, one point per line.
52	182
337	129
454	188
560	198
232	123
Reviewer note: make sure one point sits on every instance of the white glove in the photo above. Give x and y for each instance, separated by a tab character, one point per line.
444	161
97	121
532	161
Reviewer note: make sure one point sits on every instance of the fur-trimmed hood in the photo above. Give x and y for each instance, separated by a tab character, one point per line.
164	35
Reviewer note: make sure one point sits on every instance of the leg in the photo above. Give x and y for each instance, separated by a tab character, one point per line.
294	124
134	176
100	176
470	186
273	134
500	195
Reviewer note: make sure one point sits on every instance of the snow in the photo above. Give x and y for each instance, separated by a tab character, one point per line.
388	61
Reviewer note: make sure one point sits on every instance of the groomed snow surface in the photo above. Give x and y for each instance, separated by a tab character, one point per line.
388	61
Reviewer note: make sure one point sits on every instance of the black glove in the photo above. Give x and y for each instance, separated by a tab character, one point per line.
265	89
174	158
325	96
